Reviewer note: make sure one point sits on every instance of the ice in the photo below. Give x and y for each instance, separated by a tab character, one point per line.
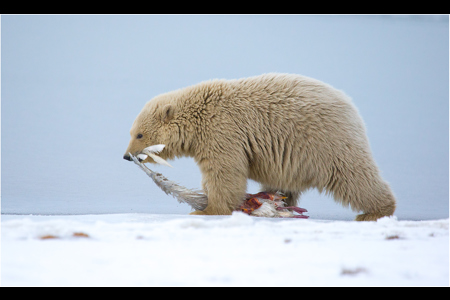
236	250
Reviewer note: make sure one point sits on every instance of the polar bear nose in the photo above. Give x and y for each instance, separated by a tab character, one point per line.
127	157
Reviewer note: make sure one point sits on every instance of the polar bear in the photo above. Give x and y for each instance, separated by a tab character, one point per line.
288	132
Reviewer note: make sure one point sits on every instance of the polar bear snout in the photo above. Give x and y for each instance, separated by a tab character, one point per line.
127	157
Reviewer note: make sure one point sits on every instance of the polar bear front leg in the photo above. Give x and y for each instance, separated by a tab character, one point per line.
225	188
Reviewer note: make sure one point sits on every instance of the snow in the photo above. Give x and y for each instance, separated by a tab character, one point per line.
237	250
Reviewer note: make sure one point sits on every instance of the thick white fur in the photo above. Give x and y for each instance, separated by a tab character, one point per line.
288	132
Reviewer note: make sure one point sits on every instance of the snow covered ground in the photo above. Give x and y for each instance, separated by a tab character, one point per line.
237	250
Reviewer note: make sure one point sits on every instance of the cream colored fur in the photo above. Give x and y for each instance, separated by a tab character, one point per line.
287	132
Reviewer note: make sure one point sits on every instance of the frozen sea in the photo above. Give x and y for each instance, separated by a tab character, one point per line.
238	250
71	86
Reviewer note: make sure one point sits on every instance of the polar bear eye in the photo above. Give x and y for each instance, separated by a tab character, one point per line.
139	136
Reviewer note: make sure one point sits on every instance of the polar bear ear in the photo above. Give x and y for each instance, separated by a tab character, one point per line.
167	113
